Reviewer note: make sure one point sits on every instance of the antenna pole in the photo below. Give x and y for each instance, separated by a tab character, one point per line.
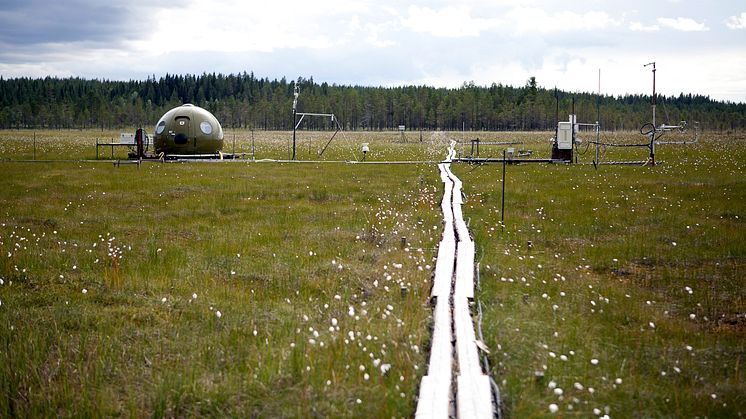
652	134
598	116
654	100
555	143
296	92
598	99
654	95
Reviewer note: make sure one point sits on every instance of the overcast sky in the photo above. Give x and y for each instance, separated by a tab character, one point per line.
699	46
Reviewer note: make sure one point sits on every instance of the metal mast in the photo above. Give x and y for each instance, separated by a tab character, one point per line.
653	64
296	92
652	135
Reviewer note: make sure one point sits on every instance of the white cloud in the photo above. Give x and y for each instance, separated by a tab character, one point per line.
238	26
448	22
683	24
639	27
384	42
527	20
736	22
375	34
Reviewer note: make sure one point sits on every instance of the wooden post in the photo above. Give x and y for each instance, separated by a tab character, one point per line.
502	209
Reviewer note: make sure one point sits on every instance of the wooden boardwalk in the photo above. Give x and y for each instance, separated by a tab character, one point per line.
455	385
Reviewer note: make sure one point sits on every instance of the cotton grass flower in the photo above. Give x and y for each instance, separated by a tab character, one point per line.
385	368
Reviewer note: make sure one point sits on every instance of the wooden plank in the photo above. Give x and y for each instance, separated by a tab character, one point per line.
452	319
443	173
466	348
474	398
465	270
458	220
441	350
432	403
444	265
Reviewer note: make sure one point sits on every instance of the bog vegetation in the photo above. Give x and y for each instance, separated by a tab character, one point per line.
265	289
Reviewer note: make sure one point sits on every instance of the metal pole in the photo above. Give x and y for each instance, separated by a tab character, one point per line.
296	92
293	133
555	140
652	139
652	133
598	118
573	128
502	209
653	99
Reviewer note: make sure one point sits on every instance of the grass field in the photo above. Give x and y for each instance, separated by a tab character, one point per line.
273	290
631	298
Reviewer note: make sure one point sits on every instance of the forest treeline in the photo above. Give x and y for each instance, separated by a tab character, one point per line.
246	101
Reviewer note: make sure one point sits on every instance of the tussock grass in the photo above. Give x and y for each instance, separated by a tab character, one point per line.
113	279
638	268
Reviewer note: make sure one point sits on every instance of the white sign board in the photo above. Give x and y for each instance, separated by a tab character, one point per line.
564	135
125	138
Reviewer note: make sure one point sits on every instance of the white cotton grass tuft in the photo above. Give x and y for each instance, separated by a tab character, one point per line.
385	368
218	314
553	408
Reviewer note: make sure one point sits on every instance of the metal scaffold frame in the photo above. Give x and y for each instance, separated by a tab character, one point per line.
297	122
